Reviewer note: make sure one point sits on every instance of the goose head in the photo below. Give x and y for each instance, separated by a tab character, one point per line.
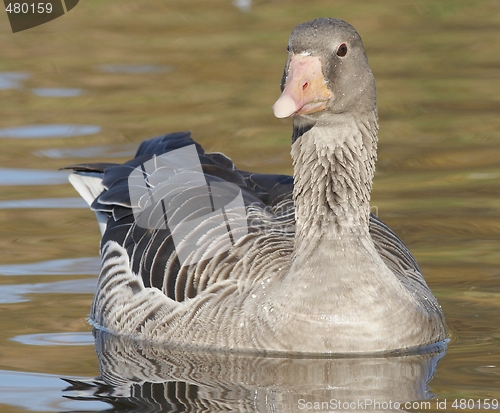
326	73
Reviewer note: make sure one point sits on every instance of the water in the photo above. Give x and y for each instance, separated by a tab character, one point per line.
30	177
48	131
12	80
209	67
57	92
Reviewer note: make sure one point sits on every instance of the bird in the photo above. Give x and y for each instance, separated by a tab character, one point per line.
200	254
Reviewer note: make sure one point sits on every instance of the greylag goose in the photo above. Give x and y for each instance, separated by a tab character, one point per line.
196	252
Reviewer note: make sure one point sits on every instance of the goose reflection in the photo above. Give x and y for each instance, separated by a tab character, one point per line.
141	377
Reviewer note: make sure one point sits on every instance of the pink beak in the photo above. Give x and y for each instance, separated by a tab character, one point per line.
305	88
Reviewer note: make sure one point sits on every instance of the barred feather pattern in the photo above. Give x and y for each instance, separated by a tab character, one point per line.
224	300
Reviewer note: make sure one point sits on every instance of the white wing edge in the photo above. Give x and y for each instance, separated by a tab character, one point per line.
89	186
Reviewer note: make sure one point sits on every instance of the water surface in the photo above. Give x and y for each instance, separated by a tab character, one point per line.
57	92
214	68
48	131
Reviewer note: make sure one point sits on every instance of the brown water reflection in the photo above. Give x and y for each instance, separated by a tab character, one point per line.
438	176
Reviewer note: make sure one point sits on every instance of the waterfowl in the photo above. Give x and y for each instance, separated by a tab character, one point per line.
269	263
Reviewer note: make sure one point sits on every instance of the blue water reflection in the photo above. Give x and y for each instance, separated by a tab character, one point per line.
12	80
56	339
44	203
73	266
18	177
108	151
57	92
243	5
39	392
16	293
48	131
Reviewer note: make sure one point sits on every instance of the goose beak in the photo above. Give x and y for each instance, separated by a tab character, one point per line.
305	88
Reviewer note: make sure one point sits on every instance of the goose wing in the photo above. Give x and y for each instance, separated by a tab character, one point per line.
152	249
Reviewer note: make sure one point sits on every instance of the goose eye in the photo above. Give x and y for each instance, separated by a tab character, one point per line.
342	50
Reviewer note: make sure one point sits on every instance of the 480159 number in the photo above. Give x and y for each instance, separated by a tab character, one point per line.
26	8
471	404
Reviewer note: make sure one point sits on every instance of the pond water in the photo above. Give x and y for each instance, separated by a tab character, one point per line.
91	85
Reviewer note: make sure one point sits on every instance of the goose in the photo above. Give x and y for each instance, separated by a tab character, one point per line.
197	253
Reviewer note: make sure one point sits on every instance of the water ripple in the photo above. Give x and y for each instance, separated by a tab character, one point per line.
22	177
48	131
12	80
10	294
243	5
56	339
39	392
72	266
111	151
57	92
44	203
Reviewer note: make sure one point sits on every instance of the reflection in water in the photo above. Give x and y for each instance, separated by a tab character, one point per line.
70	266
57	92
48	131
109	151
17	177
65	203
37	392
12	80
243	5
56	339
142	377
17	293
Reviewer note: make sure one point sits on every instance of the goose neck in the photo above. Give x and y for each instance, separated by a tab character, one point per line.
334	164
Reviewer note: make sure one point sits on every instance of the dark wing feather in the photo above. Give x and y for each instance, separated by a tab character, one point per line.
167	143
270	189
91	167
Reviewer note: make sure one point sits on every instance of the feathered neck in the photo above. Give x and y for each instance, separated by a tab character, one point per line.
334	164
